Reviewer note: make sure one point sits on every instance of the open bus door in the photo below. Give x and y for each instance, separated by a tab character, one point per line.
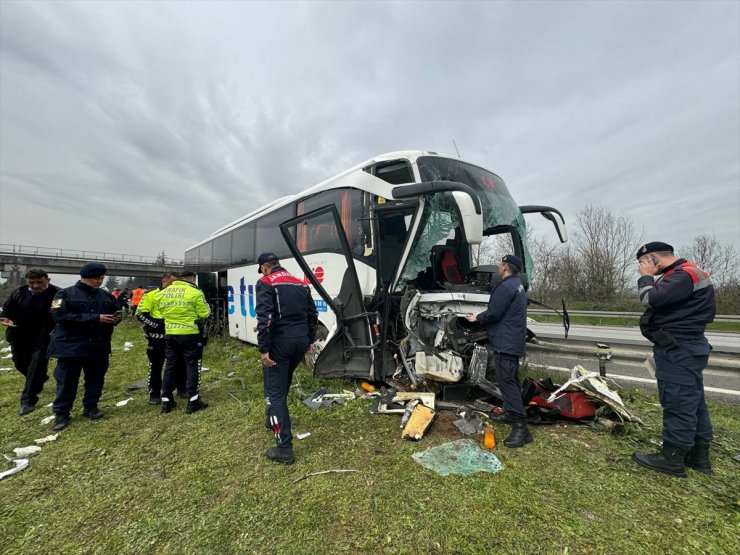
349	350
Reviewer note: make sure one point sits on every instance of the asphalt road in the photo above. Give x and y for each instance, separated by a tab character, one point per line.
721	382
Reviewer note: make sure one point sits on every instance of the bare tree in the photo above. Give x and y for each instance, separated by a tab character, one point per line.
605	244
719	260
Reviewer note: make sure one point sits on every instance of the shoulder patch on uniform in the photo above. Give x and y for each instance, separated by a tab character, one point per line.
56	303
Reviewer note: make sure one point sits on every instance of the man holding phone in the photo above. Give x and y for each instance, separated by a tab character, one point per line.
85	316
679	302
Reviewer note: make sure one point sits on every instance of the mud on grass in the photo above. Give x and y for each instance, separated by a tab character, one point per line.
140	482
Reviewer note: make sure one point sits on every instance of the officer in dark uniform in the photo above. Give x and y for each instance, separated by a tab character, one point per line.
286	328
85	316
679	304
26	314
505	321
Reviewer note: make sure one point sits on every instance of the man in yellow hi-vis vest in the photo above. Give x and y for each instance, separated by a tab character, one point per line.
182	305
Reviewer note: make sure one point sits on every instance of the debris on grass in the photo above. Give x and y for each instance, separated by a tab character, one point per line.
5	369
336	471
124	402
20	464
463	456
48	419
303	435
25	451
46	439
420	420
141	384
322	398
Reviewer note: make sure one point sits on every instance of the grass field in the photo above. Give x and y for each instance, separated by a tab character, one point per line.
141	482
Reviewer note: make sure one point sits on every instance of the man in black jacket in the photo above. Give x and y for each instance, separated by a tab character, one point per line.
505	321
85	316
679	303
29	323
286	328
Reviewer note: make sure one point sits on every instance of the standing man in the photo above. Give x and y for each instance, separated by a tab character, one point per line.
27	317
678	305
286	328
505	321
182	305
149	315
85	316
136	296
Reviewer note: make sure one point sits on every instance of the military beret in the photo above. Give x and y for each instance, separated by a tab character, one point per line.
93	270
653	246
266	257
513	261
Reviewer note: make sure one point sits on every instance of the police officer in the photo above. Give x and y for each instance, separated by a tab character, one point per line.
85	316
286	328
679	302
182	305
27	317
149	315
505	321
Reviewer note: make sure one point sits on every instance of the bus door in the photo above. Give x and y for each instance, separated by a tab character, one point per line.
349	349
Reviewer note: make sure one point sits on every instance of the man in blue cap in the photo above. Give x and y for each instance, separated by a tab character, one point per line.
85	316
286	327
505	321
679	302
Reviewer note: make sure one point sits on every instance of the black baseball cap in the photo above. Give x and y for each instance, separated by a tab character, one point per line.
264	258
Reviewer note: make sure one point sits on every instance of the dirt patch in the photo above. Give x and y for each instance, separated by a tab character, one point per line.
443	426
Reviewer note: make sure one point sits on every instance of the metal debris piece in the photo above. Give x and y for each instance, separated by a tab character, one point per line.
465	427
141	384
398	402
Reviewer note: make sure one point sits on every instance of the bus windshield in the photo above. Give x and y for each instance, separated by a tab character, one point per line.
440	219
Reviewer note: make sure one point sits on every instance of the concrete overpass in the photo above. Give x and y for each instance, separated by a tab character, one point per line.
16	259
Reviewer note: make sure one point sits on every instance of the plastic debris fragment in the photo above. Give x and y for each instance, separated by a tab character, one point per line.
47	420
46	439
25	451
303	435
124	402
20	464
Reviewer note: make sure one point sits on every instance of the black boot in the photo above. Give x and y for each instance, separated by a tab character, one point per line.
168	403
195	406
284	456
698	457
668	461
93	413
154	399
520	435
26	409
503	418
60	422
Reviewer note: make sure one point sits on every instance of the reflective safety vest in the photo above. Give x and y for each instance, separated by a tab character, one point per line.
181	305
136	295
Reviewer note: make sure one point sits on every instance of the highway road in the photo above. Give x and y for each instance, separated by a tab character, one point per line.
721	378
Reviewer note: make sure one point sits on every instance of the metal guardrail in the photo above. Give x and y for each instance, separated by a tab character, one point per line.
607	314
72	254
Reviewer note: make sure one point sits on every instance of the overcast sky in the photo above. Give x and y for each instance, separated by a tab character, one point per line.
137	127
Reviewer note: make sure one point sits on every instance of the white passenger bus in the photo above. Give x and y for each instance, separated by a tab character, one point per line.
386	248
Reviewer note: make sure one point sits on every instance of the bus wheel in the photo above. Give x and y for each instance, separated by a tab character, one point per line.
321	334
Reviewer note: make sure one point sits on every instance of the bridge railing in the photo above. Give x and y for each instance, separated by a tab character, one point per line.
72	254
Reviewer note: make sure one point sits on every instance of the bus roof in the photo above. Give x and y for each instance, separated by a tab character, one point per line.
353	177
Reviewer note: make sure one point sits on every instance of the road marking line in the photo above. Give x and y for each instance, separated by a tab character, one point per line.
640	380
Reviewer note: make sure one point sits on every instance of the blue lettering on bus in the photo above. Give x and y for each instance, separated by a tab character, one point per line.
252	311
321	305
242	289
230	298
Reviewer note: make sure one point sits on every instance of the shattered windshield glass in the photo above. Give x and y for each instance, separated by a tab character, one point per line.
499	208
438	222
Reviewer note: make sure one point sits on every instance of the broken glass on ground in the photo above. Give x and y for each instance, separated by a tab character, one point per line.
463	456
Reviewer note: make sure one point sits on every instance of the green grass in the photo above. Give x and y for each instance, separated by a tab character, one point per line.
626	321
141	482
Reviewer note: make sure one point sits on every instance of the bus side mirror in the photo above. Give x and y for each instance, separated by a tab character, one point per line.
472	222
551	214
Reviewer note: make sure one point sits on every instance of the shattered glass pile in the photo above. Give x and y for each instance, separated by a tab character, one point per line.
463	456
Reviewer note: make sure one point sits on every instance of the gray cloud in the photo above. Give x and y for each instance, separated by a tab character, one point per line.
145	126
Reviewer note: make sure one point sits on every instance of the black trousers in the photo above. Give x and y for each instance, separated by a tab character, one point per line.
67	375
507	379
31	361
155	352
287	352
681	393
183	350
